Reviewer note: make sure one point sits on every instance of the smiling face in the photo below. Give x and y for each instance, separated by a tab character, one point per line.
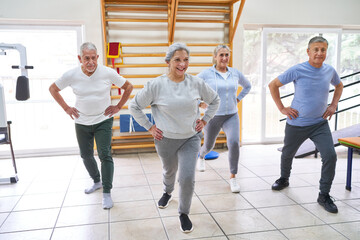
89	61
178	65
317	53
222	58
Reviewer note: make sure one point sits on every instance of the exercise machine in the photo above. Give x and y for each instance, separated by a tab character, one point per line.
22	94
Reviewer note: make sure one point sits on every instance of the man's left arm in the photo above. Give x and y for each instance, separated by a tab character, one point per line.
111	110
333	105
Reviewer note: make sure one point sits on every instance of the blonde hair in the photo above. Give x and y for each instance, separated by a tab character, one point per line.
217	49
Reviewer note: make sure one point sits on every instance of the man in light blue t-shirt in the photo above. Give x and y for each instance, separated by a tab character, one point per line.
307	116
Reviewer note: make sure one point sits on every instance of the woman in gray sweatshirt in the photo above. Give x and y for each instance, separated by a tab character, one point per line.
174	98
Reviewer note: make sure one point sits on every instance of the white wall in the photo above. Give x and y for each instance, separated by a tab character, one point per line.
292	12
85	12
308	12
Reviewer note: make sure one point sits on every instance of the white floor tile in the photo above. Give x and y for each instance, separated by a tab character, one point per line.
49	200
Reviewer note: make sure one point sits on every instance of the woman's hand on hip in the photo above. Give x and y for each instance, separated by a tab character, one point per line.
200	124
156	133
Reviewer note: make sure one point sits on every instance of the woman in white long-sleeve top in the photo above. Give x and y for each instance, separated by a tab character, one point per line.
173	98
225	81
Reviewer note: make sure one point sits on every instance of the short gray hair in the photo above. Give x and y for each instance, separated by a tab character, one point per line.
88	46
176	47
217	49
317	39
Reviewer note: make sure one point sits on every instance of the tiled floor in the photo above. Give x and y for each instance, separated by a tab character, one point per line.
49	203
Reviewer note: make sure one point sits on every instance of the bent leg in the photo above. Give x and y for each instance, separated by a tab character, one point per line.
294	137
211	131
166	149
85	138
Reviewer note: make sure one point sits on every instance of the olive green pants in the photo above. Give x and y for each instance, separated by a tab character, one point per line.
101	132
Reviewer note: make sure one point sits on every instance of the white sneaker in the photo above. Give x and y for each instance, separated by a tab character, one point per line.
235	188
201	165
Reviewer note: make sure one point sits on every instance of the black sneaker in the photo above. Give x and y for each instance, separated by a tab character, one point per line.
164	200
280	184
185	223
327	202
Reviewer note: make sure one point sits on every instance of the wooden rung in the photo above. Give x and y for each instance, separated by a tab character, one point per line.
201	54
204	10
120	65
132	137
119	96
166	44
203	21
136	9
217	141
133	145
140	75
137	2
144	44
142	55
135	20
135	86
222	3
204	44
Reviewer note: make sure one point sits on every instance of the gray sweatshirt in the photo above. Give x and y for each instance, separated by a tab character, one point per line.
175	106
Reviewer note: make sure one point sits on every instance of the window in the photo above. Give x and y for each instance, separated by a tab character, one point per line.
270	51
39	123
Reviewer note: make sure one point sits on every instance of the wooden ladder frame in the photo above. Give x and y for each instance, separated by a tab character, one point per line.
161	12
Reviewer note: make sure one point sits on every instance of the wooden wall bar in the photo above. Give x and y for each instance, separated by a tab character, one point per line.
139	25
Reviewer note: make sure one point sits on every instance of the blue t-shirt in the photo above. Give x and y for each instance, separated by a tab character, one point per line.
311	91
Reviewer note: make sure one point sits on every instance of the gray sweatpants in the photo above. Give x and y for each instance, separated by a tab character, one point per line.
179	154
231	126
320	134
